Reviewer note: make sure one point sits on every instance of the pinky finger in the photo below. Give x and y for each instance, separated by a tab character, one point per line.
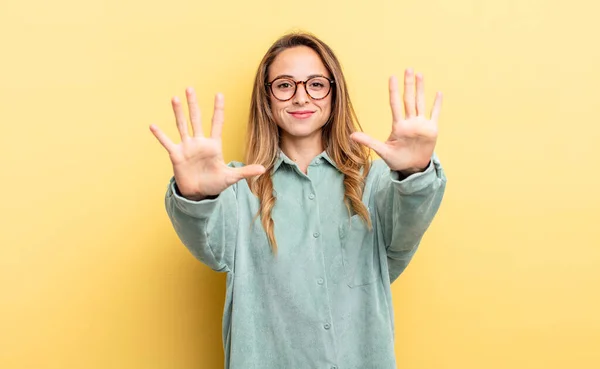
164	140
437	106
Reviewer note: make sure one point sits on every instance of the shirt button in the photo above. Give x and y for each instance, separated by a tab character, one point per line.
327	326
320	281
334	367
316	234
311	196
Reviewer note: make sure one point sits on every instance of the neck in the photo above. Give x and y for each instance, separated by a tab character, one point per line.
302	150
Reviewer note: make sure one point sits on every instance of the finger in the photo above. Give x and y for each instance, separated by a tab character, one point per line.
179	117
195	117
395	100
249	171
218	116
437	107
162	138
409	93
420	95
364	139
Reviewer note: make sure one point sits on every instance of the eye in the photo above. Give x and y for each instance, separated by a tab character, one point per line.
318	83
284	84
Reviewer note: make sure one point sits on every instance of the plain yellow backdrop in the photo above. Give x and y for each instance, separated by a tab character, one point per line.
92	274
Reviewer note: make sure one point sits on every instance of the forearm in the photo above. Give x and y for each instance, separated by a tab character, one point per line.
408	205
204	227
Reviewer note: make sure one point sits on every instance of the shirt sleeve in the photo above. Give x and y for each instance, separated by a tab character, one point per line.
405	210
208	228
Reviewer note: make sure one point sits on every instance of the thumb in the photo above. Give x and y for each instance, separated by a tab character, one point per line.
250	170
364	139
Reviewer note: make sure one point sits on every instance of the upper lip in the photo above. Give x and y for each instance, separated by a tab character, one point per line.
301	112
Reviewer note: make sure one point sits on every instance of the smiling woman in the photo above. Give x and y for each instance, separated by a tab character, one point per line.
292	106
311	233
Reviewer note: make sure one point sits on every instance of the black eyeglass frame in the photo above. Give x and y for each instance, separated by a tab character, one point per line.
270	86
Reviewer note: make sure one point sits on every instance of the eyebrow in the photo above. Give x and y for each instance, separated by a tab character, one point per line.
292	77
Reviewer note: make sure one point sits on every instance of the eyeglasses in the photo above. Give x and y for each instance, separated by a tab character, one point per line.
284	88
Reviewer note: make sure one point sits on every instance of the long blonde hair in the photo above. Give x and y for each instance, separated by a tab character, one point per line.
262	146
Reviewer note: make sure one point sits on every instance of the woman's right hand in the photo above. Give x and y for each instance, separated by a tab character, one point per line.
198	164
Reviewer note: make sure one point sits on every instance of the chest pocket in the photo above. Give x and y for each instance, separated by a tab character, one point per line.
359	252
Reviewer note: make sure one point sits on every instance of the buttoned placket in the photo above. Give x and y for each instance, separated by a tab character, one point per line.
312	174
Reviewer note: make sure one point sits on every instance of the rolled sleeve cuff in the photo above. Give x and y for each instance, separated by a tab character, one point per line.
198	209
417	181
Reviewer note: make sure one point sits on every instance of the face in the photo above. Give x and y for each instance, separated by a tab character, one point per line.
301	116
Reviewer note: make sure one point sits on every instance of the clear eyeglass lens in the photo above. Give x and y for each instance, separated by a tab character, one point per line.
284	88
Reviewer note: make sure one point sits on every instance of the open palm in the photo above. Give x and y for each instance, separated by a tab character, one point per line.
412	141
198	165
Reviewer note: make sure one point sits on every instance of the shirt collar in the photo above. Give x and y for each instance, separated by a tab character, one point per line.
283	158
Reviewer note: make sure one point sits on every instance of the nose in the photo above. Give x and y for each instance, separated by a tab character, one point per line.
301	97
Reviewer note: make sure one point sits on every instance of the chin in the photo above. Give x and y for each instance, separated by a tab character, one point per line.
305	131
297	132
301	128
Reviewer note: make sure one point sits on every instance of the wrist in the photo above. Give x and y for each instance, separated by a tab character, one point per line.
404	173
191	197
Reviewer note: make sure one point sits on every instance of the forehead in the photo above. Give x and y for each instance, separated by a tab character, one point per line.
298	62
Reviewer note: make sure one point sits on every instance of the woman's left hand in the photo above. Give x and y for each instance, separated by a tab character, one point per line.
410	146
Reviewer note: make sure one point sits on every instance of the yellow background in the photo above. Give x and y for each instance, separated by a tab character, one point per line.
92	274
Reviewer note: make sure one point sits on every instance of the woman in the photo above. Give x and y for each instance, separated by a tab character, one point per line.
312	233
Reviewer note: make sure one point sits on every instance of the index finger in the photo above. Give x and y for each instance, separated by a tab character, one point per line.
395	100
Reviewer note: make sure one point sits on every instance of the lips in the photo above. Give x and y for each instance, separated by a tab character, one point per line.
301	114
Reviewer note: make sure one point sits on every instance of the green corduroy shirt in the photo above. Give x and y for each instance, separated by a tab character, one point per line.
323	301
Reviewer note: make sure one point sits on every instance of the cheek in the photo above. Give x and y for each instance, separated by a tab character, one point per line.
325	106
276	105
277	109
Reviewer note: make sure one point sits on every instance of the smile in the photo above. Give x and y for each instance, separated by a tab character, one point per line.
302	114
